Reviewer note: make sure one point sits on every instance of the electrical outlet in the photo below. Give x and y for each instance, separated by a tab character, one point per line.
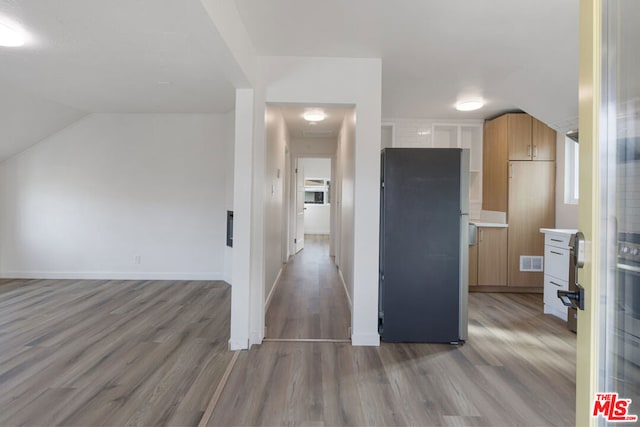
138	259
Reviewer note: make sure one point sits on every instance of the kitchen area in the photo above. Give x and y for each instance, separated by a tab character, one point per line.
513	201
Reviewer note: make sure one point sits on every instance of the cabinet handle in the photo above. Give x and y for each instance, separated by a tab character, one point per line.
554	283
556	240
529	150
481	234
554	252
510	170
535	151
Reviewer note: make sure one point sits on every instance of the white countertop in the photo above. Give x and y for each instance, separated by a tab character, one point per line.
568	231
488	224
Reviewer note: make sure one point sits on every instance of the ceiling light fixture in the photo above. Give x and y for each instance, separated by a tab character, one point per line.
11	37
314	115
470	105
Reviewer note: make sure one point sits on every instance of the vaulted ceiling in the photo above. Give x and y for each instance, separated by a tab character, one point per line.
136	56
124	56
515	54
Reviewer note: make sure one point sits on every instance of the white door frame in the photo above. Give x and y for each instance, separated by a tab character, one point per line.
292	200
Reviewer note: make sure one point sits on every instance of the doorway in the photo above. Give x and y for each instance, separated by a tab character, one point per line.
313	213
309	300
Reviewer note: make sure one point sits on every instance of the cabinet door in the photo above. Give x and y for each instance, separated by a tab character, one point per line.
473	265
543	139
494	165
519	136
531	207
492	257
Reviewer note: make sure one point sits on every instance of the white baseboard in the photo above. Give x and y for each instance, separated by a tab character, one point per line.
256	338
110	275
235	346
346	291
365	340
273	289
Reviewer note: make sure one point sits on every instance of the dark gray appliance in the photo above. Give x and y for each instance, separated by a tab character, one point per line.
424	253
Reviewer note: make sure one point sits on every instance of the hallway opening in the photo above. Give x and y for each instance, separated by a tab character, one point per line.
305	293
310	302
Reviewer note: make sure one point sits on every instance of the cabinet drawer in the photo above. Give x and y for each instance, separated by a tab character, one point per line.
551	301
556	262
557	240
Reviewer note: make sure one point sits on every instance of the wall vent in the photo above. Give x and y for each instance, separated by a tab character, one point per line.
531	263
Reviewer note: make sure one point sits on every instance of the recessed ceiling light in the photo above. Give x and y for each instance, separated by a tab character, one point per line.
470	105
10	36
314	115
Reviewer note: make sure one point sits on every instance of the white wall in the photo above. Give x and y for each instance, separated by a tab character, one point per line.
342	81
243	300
566	214
229	122
346	199
86	202
277	139
317	219
317	168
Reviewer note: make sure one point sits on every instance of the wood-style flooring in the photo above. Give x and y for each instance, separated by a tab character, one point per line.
310	301
85	353
517	369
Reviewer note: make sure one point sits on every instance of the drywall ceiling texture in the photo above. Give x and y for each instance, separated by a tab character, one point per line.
517	55
118	56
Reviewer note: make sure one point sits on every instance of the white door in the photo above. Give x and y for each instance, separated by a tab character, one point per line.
299	239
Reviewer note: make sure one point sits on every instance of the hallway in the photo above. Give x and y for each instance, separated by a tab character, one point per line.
310	301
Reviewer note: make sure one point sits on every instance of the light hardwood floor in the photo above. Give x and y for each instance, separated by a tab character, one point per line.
310	302
517	369
110	352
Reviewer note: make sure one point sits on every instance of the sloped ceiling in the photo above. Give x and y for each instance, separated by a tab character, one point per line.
137	56
515	54
123	56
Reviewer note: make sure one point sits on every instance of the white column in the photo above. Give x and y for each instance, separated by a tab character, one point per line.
242	192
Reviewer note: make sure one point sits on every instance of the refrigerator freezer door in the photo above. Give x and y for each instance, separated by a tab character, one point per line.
464	277
420	236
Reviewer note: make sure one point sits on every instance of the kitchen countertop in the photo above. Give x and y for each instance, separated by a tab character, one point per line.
568	231
488	224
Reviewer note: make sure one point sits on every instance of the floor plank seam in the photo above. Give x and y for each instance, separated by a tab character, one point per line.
216	395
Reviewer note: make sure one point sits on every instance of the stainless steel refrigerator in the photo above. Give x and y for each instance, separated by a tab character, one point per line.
424	253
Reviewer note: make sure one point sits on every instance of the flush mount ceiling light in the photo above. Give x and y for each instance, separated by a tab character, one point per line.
11	36
469	105
314	115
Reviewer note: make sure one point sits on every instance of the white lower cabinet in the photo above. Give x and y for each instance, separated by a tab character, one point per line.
556	270
552	304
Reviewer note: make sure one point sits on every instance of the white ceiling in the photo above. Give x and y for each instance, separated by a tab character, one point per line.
165	56
515	54
300	128
120	56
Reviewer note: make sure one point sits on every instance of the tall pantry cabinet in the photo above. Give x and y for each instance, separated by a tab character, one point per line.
519	179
